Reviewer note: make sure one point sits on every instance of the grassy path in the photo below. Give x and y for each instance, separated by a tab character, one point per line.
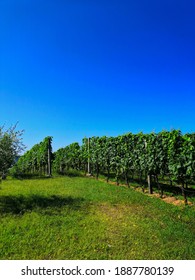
81	218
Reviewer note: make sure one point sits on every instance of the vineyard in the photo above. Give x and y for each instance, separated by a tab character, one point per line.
99	211
164	160
37	160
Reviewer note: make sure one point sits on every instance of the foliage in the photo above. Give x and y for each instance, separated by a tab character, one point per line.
67	158
166	153
169	154
10	147
35	161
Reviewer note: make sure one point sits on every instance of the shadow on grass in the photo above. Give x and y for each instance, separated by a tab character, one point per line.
175	190
21	204
31	176
71	173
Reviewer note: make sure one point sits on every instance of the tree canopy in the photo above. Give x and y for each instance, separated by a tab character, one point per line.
11	146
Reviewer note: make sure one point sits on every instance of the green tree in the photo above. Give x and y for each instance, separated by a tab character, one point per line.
11	146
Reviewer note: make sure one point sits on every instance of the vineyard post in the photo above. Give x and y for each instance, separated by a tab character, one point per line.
88	167
149	185
150	190
49	157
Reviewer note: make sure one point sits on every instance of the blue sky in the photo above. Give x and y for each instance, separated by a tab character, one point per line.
76	68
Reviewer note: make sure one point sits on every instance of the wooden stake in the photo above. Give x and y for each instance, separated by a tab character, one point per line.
150	190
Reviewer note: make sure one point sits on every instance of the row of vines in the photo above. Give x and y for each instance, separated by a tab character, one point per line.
141	157
145	157
35	161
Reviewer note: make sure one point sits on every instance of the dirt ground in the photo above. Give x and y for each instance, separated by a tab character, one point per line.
168	199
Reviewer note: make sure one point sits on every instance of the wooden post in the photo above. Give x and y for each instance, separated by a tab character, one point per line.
149	185
49	157
184	194
88	166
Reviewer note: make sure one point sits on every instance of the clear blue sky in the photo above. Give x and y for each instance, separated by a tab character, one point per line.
79	68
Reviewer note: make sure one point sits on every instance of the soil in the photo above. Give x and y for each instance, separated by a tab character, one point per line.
168	199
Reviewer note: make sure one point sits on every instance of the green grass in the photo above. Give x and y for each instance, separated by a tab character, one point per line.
81	218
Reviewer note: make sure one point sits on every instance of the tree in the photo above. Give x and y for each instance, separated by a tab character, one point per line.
11	146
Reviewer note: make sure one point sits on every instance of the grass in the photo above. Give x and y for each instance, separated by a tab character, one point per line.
168	190
81	218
